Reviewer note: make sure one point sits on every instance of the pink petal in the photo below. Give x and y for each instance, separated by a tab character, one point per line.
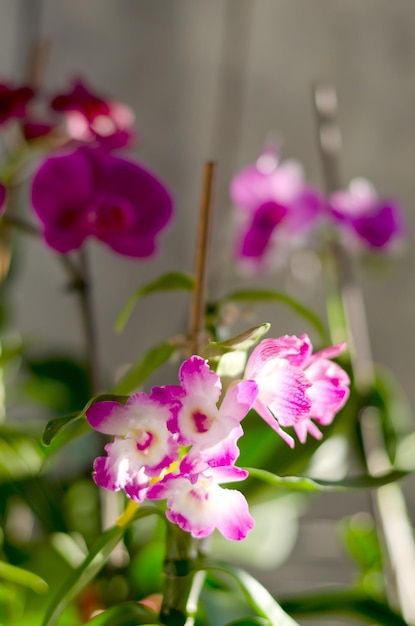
307	427
233	519
328	353
264	412
329	392
295	350
198	379
284	393
238	400
108	417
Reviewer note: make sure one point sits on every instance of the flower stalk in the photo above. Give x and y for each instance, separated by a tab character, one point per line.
347	319
182	586
179	606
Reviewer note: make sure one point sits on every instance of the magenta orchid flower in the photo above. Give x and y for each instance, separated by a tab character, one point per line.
197	503
143	445
295	386
90	117
374	222
276	207
3	198
92	193
212	431
14	101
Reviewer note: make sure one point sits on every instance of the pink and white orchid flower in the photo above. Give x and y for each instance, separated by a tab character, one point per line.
197	503
143	444
295	386
212	431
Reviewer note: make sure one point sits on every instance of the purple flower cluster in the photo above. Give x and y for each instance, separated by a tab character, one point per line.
278	209
84	190
180	445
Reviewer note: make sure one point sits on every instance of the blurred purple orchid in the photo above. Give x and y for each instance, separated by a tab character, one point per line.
276	207
14	101
373	222
3	198
92	193
92	118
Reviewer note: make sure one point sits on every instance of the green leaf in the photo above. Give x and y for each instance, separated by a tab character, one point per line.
125	614
258	597
92	564
244	341
167	282
22	577
143	368
265	295
394	408
299	483
345	602
20	457
57	425
250	621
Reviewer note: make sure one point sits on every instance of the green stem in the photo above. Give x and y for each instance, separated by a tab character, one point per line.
87	316
347	318
182	583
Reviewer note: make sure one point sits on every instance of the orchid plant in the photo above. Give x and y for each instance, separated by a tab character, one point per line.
173	466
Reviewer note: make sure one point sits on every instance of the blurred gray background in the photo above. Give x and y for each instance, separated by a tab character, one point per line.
212	79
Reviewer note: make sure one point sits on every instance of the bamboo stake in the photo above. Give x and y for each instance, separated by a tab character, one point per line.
197	309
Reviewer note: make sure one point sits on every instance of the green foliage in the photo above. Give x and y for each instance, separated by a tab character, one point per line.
353	603
361	539
93	563
299	483
57	382
244	341
22	577
173	281
56	426
250	621
126	614
144	367
257	596
264	295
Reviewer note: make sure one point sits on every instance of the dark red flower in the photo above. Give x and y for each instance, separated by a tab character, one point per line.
90	117
13	102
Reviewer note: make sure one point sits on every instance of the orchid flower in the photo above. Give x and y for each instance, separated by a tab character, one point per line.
295	386
91	117
197	503
143	446
373	222
14	101
212	431
3	198
275	206
92	193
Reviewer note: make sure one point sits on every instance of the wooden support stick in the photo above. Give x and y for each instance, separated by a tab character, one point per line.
197	310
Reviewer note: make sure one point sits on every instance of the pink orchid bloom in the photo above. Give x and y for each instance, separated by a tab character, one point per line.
3	198
197	503
276	207
143	446
212	431
372	222
295	386
90	117
92	193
